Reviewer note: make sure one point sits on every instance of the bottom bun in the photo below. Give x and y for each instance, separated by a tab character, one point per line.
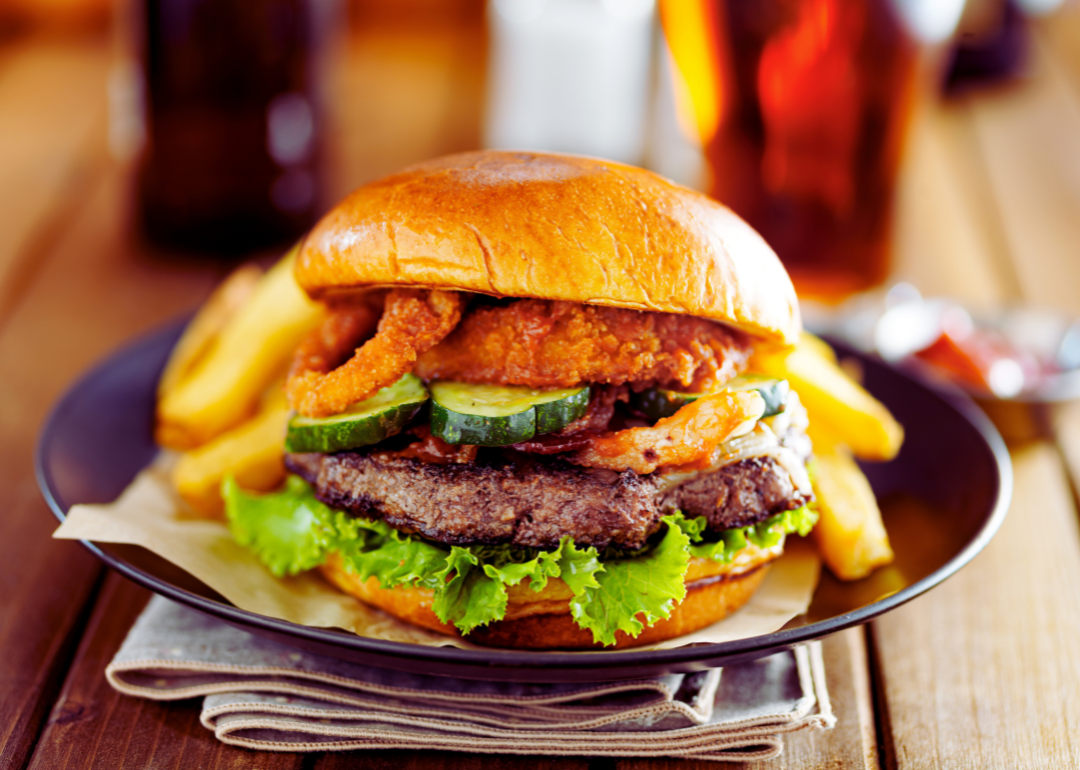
541	620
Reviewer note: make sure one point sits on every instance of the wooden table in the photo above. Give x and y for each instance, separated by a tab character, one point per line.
983	672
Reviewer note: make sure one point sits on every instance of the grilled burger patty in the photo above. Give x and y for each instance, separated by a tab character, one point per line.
534	500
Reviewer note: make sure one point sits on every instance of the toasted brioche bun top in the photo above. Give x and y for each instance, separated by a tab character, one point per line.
522	224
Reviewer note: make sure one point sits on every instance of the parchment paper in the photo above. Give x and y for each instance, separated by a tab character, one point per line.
150	514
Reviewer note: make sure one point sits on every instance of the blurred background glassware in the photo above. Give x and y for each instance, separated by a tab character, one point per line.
991	45
802	107
65	16
992	42
1013	360
229	91
570	76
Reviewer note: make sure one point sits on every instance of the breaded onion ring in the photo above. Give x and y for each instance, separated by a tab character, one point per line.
689	434
345	327
413	320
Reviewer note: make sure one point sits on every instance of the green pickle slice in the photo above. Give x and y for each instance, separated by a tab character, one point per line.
363	423
658	403
499	415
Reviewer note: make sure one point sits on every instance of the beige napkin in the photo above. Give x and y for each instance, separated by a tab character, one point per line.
265	695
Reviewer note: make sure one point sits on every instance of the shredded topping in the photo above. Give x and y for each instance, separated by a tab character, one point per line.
688	435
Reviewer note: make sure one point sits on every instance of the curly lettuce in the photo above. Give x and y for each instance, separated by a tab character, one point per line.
642	587
290	531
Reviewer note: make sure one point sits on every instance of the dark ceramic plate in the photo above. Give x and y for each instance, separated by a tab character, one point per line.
952	479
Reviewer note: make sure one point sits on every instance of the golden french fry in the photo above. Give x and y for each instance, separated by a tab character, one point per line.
835	401
823	438
252	453
252	350
818	345
204	328
849	534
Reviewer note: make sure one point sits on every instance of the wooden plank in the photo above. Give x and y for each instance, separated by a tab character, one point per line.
93	726
53	99
983	672
1065	420
1060	33
43	597
1027	136
948	241
90	294
1060	37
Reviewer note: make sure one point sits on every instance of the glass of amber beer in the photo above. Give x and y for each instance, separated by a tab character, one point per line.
802	107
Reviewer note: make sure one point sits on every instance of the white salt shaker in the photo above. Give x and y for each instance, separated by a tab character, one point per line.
570	76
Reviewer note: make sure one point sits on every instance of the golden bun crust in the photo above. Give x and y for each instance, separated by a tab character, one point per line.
542	621
522	224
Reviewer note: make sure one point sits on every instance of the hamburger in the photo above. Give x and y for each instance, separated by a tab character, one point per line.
530	416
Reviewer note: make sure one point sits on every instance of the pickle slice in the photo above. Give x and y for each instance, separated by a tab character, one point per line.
363	423
657	403
499	415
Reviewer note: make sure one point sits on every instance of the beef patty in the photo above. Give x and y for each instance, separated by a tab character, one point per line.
534	500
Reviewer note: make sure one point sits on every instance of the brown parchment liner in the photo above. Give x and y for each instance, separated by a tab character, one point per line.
150	514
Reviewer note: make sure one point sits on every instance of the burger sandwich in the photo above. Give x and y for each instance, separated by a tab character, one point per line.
530	414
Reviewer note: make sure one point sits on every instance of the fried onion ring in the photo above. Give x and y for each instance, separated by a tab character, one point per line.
345	327
690	433
555	344
413	321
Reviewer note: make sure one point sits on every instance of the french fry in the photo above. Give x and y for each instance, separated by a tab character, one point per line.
251	351
251	452
204	328
835	401
849	534
823	438
818	345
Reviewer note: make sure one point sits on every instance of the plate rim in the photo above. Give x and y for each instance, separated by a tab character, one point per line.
498	659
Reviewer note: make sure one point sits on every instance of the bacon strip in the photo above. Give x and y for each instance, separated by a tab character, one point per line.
432	449
582	430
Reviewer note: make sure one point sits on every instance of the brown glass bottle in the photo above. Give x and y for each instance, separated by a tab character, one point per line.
812	97
231	162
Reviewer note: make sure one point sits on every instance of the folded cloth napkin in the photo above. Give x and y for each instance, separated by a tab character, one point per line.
265	695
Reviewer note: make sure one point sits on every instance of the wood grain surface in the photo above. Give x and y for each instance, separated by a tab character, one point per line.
49	142
985	671
71	288
982	672
92	725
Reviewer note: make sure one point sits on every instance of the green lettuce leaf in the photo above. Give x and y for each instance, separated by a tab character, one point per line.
649	586
578	567
473	591
291	531
394	558
764	535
